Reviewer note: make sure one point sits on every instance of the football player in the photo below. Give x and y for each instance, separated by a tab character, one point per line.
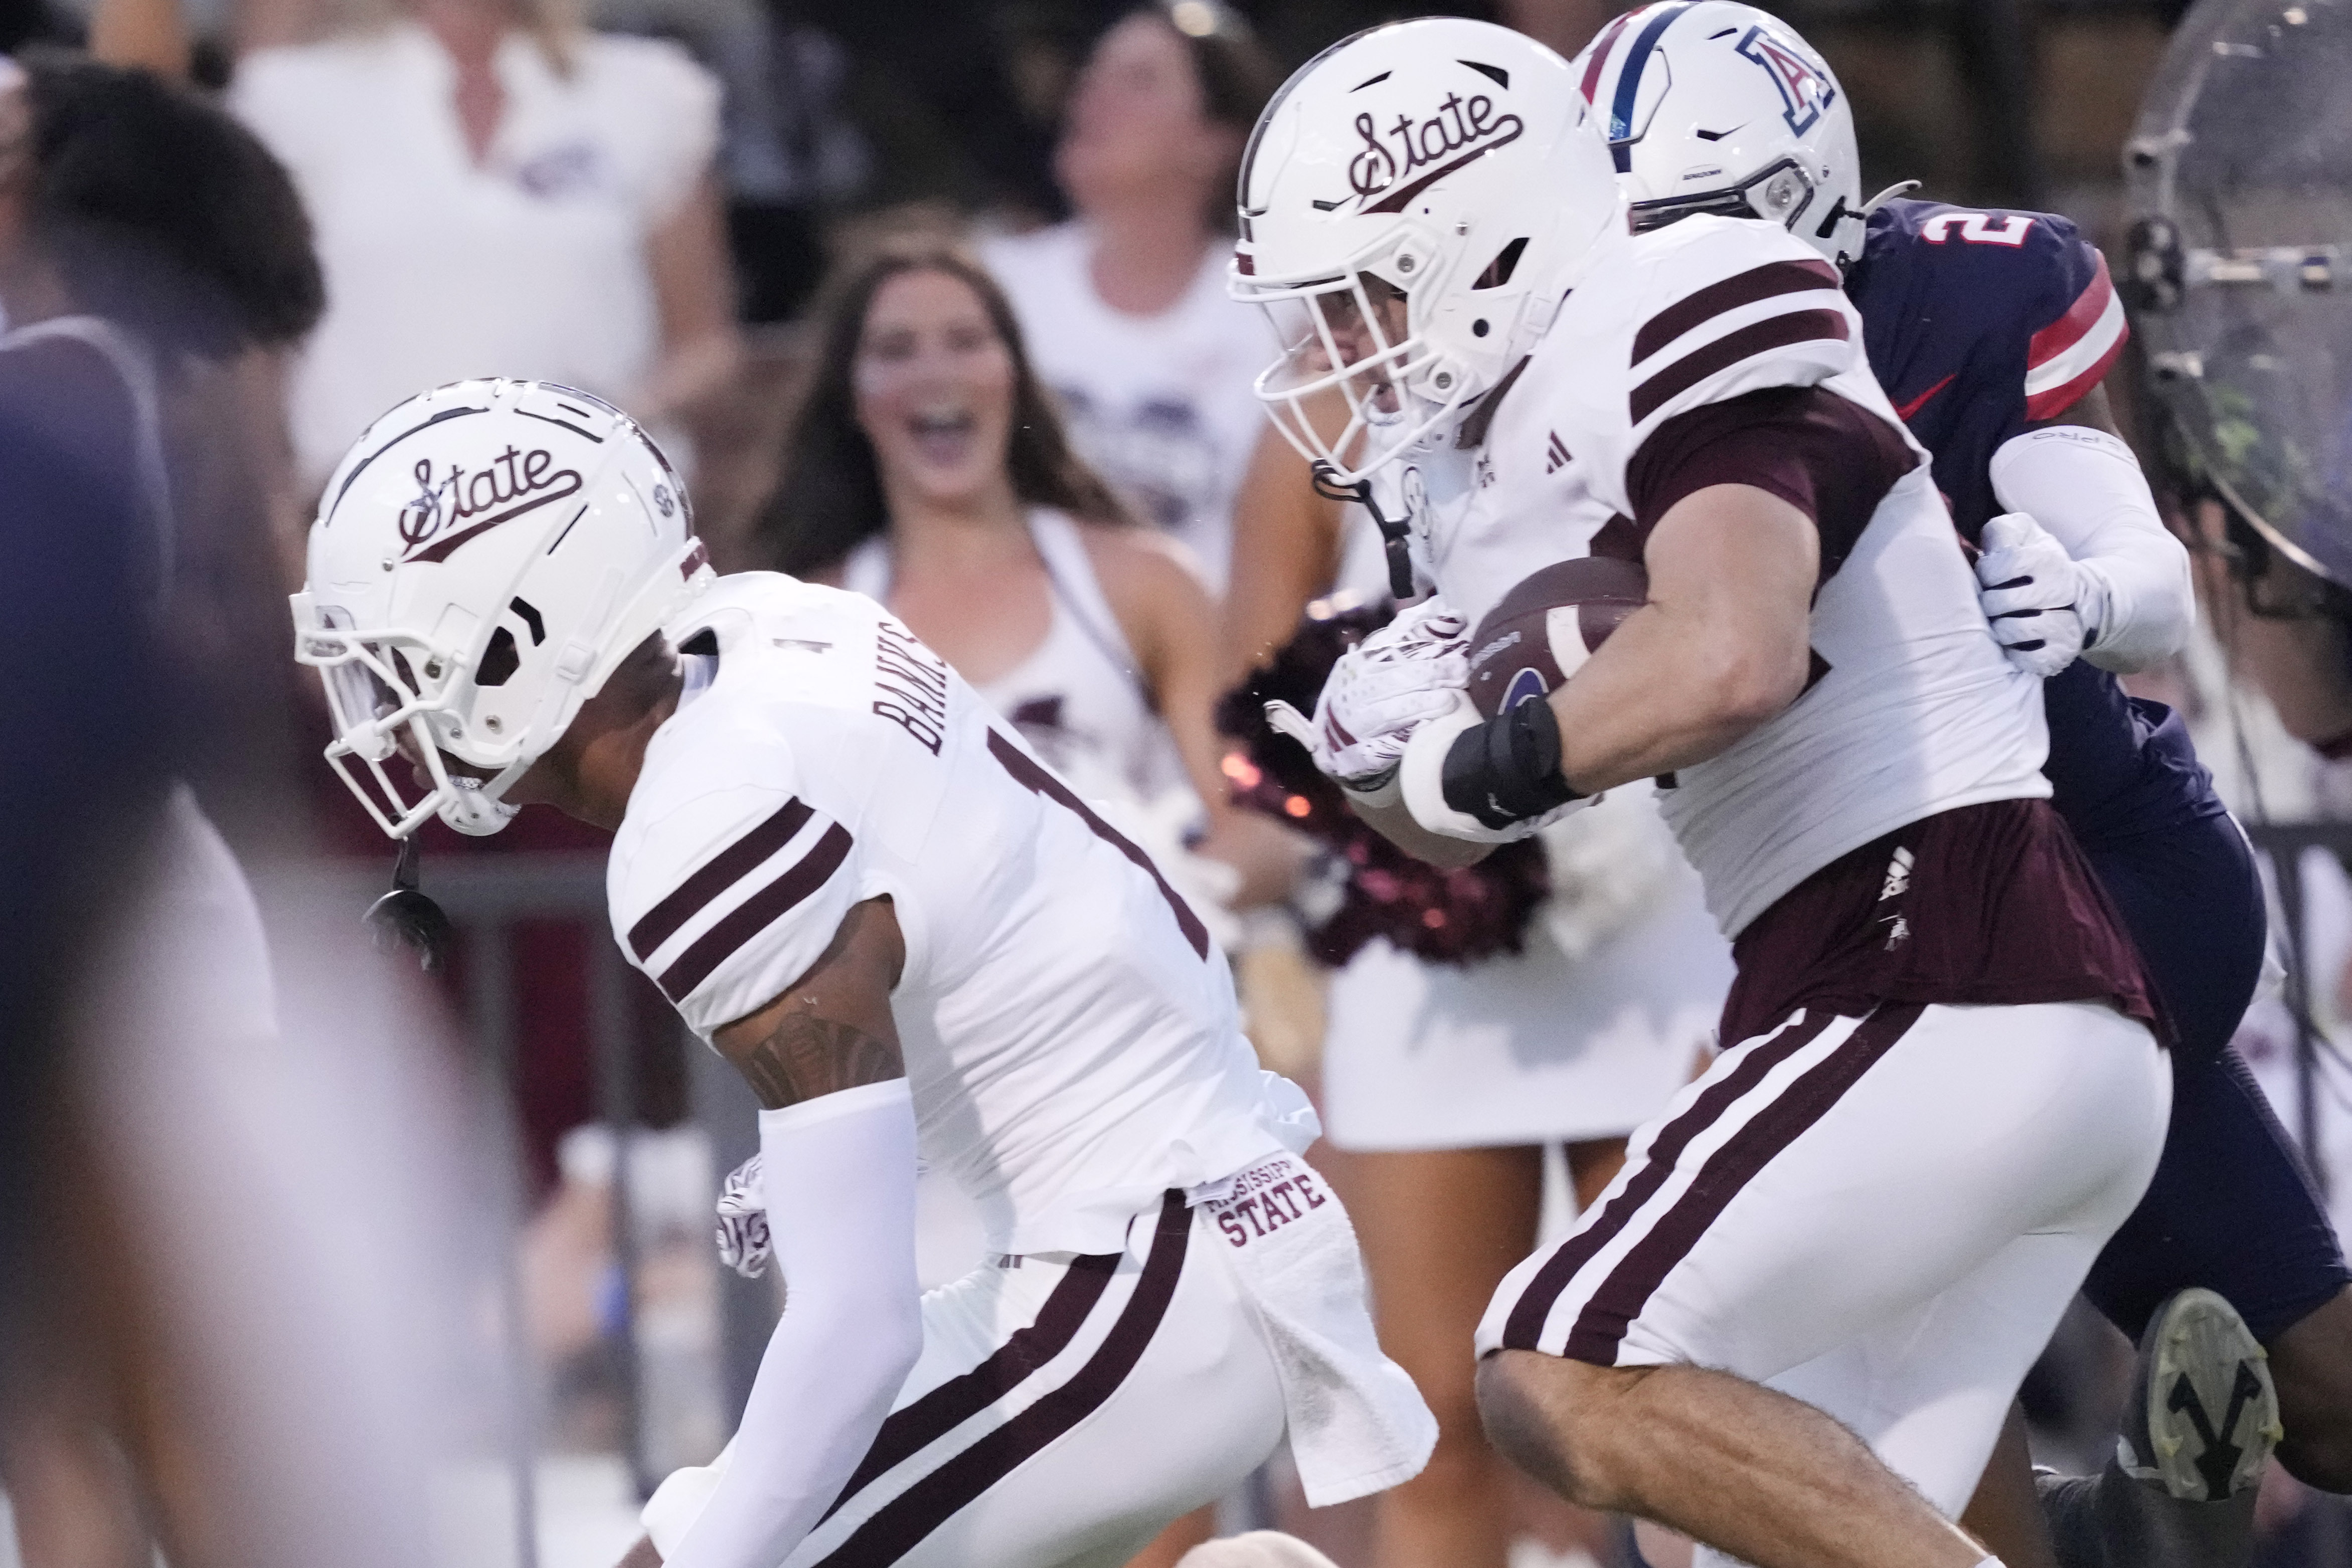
1943	1086
1992	332
912	938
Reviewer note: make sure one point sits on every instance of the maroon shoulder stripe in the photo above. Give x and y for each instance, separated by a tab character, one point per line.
1757	283
1772	332
909	1431
903	1522
1601	1326
756	913
729	866
1524	1326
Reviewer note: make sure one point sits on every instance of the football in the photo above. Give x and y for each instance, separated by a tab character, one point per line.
1545	628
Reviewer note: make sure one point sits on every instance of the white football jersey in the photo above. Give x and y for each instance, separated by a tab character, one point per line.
1070	1033
1913	711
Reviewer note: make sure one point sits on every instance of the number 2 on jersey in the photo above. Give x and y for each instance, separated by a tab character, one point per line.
1977	228
1033	776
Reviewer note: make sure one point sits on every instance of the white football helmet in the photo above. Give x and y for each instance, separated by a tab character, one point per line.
1445	161
484	556
1714	107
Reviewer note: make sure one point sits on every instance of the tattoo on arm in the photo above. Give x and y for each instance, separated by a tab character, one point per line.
805	1056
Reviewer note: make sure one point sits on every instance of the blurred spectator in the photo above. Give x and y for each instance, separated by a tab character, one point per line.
1125	307
788	154
498	191
172	1295
927	470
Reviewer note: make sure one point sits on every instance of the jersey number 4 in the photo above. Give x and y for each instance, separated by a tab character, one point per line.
1034	777
1977	228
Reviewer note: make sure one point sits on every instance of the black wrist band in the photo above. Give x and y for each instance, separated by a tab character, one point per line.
1508	769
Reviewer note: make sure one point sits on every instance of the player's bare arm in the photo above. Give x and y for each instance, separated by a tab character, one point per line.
833	1030
1719	649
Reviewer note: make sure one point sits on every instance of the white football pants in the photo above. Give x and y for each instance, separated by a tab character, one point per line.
1064	1410
1883	1217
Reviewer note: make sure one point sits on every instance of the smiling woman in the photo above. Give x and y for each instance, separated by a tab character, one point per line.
929	469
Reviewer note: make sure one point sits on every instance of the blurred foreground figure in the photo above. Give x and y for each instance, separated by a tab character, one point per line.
908	934
199	1348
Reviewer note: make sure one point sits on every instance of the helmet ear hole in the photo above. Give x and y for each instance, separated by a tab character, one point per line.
501	659
1498	271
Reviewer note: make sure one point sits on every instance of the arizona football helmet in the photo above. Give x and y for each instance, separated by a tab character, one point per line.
1414	202
483	558
1714	107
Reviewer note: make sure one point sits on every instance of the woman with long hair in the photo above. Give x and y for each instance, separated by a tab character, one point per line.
929	469
1125	306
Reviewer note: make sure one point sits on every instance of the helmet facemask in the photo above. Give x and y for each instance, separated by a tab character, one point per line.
1359	380
394	698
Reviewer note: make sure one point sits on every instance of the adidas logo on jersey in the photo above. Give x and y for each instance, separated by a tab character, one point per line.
1899	876
1556	455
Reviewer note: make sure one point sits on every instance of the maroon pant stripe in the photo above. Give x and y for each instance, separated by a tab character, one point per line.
1601	1326
909	1431
902	1523
1523	1328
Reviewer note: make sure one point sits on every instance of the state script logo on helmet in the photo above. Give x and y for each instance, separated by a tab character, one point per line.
1413	204
484	558
1714	107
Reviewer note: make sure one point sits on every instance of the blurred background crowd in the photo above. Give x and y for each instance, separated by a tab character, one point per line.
926	298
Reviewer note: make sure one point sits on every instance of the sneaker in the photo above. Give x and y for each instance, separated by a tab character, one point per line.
2203	1415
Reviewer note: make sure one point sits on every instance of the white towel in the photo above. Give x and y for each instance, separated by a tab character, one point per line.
1357	1425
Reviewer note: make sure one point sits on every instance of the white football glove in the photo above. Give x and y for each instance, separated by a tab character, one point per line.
2043	607
1408	672
743	1241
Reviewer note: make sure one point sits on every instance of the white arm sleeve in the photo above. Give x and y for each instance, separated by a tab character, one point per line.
2084	487
841	1207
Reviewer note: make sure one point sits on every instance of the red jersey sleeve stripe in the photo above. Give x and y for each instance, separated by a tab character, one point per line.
2059	382
2081	316
1744	288
729	866
756	913
1762	337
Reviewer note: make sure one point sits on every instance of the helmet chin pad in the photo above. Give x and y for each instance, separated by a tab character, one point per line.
471	809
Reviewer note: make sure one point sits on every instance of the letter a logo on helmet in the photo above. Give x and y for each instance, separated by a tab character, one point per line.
1720	109
1805	92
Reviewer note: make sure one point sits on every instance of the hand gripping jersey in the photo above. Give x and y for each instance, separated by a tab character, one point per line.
1979	324
1070	1034
1913	710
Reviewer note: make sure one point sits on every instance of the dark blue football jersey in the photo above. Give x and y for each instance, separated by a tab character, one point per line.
1980	323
